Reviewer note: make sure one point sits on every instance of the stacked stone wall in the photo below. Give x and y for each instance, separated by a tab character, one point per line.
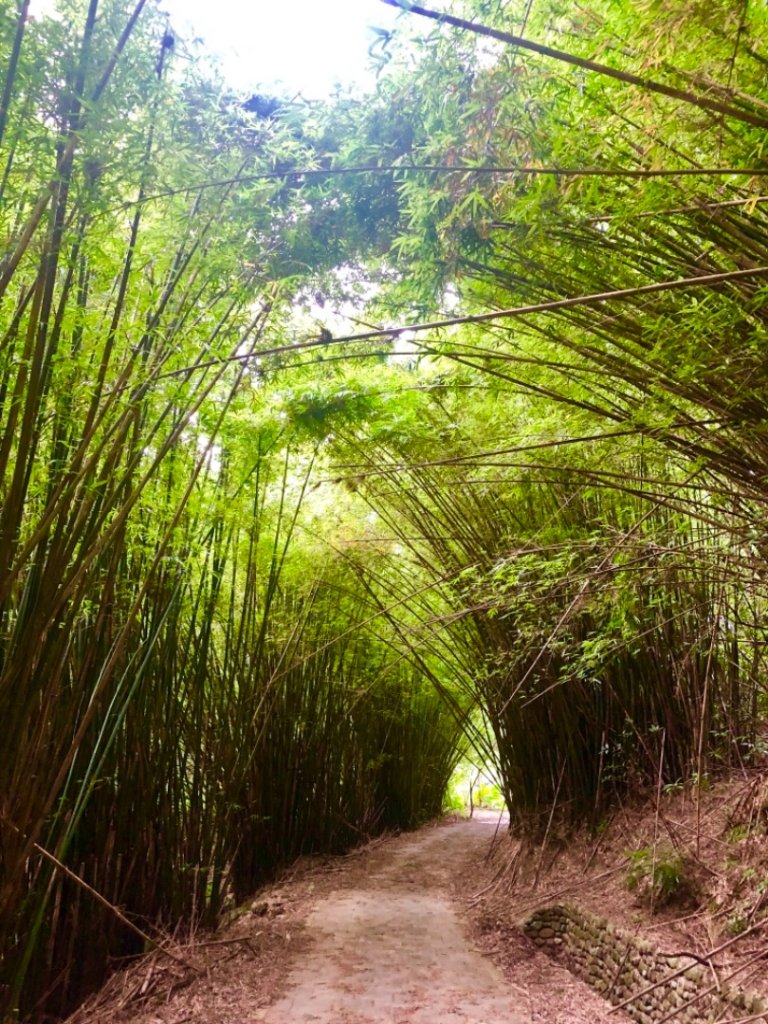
619	966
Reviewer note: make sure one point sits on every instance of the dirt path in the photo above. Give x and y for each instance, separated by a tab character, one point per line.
419	929
392	950
388	934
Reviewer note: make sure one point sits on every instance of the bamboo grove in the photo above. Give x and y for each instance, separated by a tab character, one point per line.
183	709
262	582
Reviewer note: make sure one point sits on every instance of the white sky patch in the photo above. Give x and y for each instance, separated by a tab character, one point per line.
313	310
38	8
306	45
450	299
405	348
489	53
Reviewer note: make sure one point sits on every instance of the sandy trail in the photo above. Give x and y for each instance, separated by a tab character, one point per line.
390	949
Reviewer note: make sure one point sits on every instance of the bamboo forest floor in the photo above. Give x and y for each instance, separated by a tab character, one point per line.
424	927
393	933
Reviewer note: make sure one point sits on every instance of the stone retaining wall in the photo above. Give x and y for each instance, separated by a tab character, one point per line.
619	965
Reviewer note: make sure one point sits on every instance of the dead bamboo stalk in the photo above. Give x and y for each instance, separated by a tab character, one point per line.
681	970
102	900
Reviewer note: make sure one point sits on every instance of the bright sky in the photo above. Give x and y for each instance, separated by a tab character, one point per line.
308	45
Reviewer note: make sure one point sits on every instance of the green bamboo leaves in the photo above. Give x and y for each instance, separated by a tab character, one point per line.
183	707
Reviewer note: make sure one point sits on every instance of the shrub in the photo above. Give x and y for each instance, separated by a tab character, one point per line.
658	876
